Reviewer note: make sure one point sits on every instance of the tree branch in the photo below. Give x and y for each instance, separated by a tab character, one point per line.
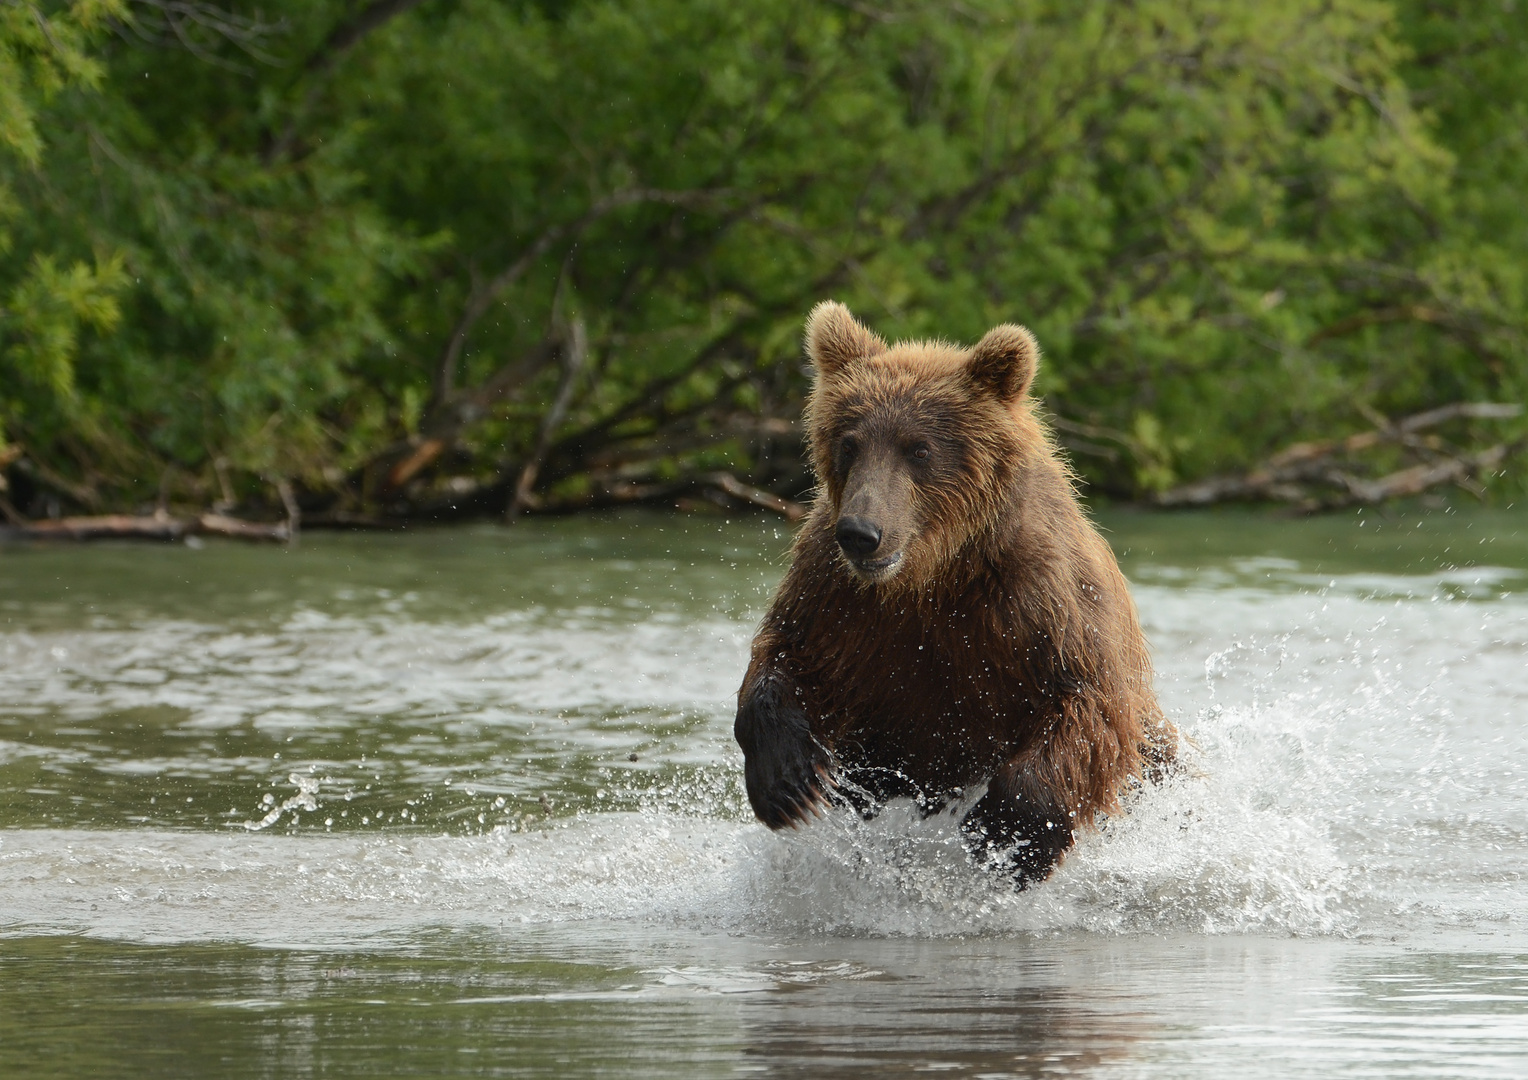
575	357
1374	317
441	429
1287	476
482	299
345	37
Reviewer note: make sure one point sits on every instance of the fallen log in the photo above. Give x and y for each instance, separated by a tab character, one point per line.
103	526
160	527
239	529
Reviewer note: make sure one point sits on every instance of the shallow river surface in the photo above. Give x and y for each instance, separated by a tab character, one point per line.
466	803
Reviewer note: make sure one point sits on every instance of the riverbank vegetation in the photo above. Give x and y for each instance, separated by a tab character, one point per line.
360	261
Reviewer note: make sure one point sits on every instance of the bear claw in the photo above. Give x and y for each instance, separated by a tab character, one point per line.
786	771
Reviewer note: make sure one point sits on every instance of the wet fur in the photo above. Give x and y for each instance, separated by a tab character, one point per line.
1003	649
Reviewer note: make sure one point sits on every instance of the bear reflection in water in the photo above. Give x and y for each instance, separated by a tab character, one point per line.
950	618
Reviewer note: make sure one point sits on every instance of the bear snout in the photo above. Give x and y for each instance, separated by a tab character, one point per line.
859	537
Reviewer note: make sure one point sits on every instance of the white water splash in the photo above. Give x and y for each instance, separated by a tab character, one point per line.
305	799
1353	776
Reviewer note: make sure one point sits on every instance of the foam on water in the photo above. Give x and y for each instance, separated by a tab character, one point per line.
1238	842
1349	775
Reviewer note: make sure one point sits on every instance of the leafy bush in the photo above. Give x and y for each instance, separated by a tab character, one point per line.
309	241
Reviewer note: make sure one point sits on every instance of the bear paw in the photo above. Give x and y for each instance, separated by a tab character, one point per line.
788	773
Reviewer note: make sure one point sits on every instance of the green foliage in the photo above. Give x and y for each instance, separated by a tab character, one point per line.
43	51
49	308
270	244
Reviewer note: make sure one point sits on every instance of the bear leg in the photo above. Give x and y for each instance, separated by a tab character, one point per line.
785	769
1018	827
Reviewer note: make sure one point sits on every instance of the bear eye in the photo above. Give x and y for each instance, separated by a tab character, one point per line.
847	446
921	453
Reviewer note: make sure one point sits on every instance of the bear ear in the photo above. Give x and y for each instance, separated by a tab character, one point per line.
834	338
1004	361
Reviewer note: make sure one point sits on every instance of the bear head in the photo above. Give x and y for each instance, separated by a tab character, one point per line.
917	446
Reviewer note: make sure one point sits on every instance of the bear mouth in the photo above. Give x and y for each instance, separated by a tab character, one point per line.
876	569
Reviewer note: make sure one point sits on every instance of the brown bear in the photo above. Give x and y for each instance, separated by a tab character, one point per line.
950	616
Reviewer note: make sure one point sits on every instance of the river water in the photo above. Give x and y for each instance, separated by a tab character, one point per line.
466	803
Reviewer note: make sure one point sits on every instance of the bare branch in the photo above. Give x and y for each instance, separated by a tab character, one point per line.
289	503
575	358
791	511
1392	431
719	487
1296	473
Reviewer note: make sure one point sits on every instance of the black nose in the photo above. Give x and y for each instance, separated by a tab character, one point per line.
858	537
